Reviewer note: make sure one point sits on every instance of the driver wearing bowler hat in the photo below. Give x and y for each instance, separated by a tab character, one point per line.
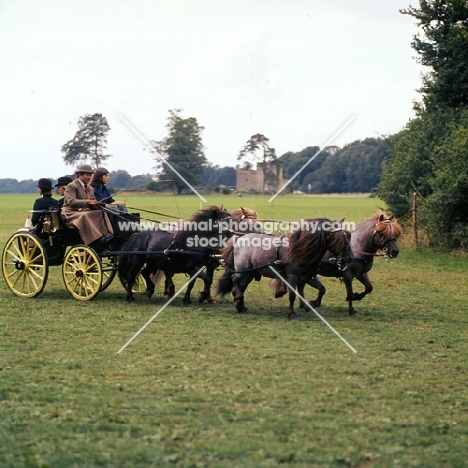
46	202
79	208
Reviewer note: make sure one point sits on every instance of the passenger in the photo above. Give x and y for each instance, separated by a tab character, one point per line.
80	208
101	192
61	184
44	187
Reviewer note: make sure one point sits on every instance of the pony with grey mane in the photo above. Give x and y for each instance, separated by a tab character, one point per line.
293	256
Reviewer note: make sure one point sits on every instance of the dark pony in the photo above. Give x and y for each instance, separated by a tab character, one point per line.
246	216
184	250
294	256
378	233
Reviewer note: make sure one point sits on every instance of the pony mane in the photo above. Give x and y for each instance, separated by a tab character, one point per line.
307	246
387	226
202	222
215	213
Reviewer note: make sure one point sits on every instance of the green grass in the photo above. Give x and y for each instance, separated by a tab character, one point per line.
203	386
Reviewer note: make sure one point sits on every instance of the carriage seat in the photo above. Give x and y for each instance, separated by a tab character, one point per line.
53	220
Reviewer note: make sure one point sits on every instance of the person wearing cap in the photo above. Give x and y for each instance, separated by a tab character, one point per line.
80	208
99	183
45	202
61	185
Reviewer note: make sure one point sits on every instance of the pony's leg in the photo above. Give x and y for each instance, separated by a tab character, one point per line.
131	277
146	273
188	291
205	295
292	280
300	290
240	281
317	284
281	289
348	281
169	286
192	272
364	280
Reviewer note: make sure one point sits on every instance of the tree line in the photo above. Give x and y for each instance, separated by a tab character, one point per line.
355	168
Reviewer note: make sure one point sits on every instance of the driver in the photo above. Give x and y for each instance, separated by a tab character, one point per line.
80	205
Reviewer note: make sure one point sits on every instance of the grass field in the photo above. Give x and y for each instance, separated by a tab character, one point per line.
203	386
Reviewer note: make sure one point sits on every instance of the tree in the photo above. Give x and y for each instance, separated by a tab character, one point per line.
258	148
183	150
89	141
443	49
215	175
428	156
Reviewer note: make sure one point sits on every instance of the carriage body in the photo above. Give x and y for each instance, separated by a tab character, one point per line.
86	270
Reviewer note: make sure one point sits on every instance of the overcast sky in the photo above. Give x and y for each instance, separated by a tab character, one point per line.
295	71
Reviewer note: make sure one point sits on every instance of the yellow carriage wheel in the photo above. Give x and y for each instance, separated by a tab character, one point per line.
82	273
25	265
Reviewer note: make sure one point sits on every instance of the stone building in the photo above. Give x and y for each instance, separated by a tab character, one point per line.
252	179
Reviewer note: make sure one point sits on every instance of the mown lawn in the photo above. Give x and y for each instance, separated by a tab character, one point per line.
203	386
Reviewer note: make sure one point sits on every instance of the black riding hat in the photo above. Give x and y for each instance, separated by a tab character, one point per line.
45	184
65	180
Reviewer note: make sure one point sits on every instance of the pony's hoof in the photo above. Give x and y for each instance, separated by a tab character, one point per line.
243	310
353	313
211	301
293	318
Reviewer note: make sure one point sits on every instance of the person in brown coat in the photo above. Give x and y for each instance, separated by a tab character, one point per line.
80	205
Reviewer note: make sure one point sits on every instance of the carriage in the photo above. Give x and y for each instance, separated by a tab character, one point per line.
86	270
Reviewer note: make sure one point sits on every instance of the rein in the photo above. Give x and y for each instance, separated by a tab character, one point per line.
153	212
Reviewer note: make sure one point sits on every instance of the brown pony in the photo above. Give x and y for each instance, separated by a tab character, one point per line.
377	233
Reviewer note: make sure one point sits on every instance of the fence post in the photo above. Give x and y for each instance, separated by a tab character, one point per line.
415	219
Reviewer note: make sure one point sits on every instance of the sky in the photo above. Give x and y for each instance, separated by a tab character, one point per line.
294	71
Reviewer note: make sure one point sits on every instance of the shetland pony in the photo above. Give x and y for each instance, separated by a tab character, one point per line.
377	233
185	250
295	257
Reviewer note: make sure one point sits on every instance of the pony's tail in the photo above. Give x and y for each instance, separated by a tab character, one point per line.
278	286
225	283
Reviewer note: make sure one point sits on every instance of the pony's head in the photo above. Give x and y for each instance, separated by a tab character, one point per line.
243	220
247	213
386	232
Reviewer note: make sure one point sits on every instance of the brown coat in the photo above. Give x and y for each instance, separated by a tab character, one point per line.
91	224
